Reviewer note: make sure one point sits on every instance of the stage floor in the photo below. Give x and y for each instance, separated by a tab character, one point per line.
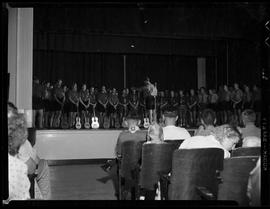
77	144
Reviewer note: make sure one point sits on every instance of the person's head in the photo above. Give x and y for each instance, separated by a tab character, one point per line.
246	88
202	90
172	93
74	86
147	81
114	90
65	88
226	88
192	92
228	136
103	89
170	116
48	84
84	87
17	131
132	119
210	91
162	94
208	117
251	141
92	90
248	116
255	87
236	86
181	92
155	133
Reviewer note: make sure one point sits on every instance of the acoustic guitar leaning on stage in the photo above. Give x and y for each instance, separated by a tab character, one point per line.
78	124
94	124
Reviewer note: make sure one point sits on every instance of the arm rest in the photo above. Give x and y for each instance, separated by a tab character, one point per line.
205	193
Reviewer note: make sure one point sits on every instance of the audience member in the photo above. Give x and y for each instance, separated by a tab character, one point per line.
251	141
208	120
170	131
225	137
19	184
133	132
249	118
155	134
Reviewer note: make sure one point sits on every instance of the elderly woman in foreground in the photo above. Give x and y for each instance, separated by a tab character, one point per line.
18	181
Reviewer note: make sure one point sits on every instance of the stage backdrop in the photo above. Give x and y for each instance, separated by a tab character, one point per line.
96	69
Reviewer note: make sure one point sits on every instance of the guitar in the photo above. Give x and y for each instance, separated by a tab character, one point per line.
95	123
78	124
86	121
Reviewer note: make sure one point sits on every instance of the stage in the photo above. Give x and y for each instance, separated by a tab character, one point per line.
77	144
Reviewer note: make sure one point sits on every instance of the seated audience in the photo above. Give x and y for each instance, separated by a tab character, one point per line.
249	118
225	137
18	181
208	120
155	134
251	141
254	185
170	131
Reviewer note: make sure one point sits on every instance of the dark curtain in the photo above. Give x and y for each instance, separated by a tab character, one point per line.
96	69
169	71
93	69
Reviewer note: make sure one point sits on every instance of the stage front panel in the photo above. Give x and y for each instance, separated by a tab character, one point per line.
76	144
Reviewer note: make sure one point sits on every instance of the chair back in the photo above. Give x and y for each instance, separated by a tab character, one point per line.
131	157
246	151
156	158
192	168
235	179
175	143
32	136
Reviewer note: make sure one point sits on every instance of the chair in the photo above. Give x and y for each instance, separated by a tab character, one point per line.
193	169
32	136
31	178
235	179
176	143
246	151
156	159
128	165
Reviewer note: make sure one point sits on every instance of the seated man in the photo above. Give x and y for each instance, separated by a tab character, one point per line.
225	137
251	141
133	132
170	131
249	118
208	120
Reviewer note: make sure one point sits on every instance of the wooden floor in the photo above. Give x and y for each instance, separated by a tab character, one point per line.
79	182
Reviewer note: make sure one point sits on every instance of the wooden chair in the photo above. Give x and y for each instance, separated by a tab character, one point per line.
128	165
193	169
176	143
31	178
156	159
32	136
235	179
246	151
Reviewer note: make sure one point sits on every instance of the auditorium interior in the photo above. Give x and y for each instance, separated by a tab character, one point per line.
82	74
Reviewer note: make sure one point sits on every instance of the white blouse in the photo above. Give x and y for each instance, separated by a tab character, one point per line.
18	181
